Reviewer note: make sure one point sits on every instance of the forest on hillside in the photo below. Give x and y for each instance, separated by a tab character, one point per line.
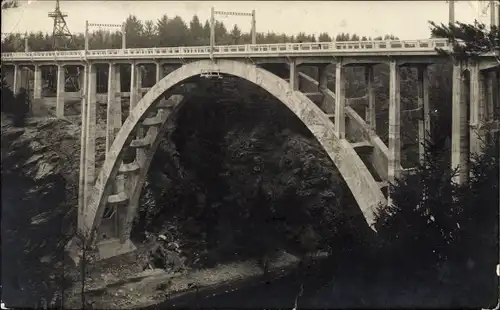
168	32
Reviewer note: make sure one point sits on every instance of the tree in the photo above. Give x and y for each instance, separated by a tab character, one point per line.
176	32
9	4
149	36
324	37
162	28
469	40
435	225
196	31
235	35
134	31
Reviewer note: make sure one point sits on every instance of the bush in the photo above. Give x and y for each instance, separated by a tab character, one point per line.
438	231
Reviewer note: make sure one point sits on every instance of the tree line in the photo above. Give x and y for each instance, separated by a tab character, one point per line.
166	32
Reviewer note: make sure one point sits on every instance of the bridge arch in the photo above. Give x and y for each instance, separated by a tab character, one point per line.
361	183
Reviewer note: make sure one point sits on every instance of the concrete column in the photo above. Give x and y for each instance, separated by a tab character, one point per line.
83	142
394	159
16	80
159	72
460	124
339	101
294	76
90	137
323	78
475	115
490	93
140	73
114	111
37	83
61	79
370	91
133	86
424	123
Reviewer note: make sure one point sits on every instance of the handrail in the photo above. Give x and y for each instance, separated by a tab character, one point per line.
428	45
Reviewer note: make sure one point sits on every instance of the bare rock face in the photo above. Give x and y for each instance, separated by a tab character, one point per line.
40	166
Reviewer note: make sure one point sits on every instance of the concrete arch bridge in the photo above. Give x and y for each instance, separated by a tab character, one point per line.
108	201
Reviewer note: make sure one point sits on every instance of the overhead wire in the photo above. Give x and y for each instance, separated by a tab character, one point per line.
23	7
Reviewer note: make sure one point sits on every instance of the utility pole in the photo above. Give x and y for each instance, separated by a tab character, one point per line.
212	32
60	30
492	14
451	12
254	32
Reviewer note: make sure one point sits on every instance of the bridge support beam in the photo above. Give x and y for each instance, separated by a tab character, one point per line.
114	111
159	72
133	87
370	90
339	100
83	148
90	135
61	79
16	79
491	97
476	111
294	75
394	157
424	122
322	78
37	83
460	125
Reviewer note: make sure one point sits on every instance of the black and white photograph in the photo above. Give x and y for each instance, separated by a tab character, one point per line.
250	154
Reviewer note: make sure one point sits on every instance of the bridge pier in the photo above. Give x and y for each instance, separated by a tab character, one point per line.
16	79
37	82
370	114
114	108
90	135
424	121
83	143
61	79
159	71
340	100
394	158
294	75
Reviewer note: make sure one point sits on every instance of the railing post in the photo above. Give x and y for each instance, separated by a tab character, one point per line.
394	169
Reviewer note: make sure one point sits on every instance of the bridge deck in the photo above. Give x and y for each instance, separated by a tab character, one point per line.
327	49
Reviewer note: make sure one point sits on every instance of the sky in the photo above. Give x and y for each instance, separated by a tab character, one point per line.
404	19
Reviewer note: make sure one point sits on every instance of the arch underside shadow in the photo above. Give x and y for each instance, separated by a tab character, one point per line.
364	188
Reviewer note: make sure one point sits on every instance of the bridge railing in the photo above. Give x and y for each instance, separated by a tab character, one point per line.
221	50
